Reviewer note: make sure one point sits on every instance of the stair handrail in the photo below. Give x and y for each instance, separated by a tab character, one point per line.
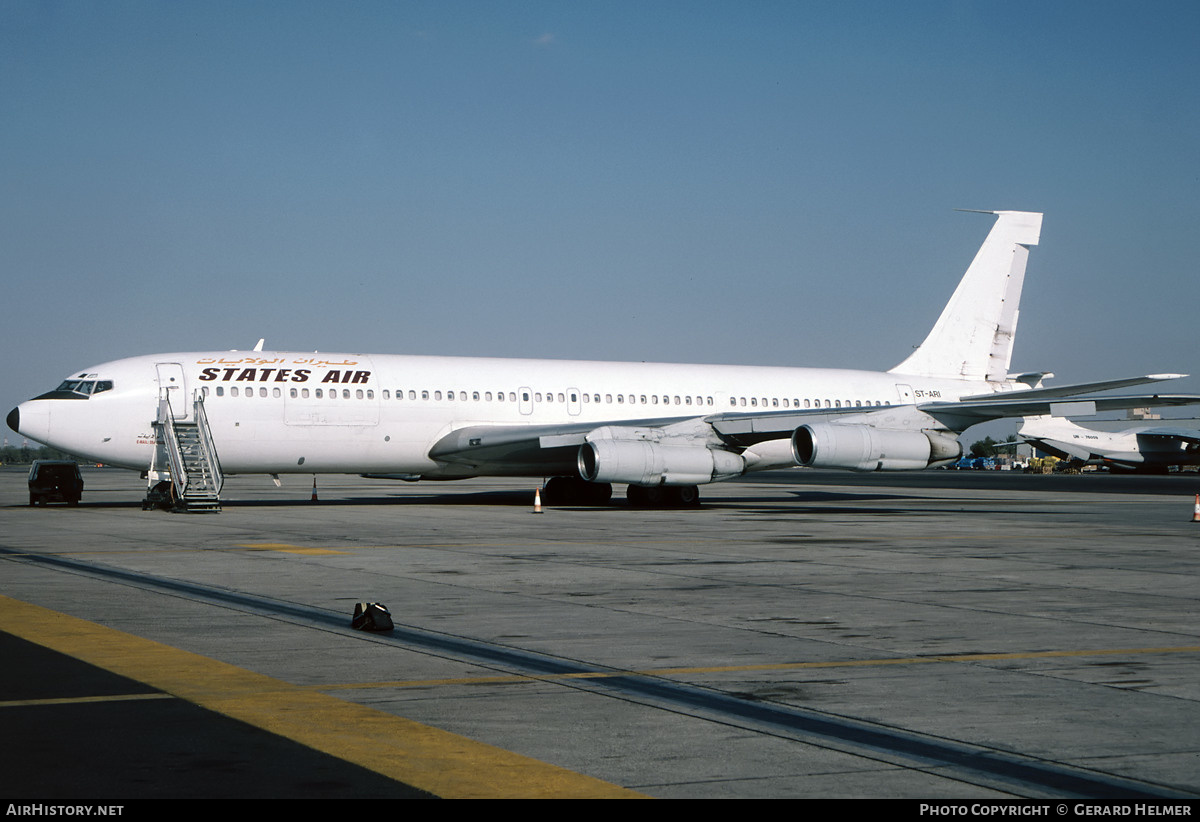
206	441
166	419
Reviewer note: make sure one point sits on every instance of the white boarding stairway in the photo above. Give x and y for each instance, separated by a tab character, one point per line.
186	454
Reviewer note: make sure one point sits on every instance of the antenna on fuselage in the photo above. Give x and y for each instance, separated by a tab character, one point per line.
260	344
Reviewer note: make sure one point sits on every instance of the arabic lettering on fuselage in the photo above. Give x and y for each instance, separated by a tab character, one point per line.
256	361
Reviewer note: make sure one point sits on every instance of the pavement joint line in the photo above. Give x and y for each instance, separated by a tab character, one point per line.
344	549
442	763
779	666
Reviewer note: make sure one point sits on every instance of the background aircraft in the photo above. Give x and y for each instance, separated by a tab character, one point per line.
1152	446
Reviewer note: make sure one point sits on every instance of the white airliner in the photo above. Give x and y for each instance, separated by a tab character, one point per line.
663	429
1144	447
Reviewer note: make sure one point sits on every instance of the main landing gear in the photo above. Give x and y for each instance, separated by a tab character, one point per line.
575	491
663	496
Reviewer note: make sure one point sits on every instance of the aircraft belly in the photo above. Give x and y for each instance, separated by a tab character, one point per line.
321	449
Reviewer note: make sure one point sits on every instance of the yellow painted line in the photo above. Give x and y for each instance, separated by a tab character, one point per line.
444	764
778	666
80	700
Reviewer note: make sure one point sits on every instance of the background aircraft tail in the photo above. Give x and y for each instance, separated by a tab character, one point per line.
973	338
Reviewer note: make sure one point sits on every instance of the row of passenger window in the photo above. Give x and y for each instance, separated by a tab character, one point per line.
819	403
549	396
632	399
331	393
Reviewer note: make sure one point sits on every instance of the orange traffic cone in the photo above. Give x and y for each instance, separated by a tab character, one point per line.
1196	513
314	494
537	501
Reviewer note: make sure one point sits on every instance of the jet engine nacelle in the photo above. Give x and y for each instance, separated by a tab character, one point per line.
638	462
866	448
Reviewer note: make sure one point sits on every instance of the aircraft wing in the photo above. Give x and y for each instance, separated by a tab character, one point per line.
958	416
552	450
747	428
518	448
555	447
548	447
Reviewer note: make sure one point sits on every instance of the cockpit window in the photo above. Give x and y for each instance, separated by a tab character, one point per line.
85	387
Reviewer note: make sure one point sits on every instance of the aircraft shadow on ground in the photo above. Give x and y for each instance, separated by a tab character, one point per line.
925	500
510	498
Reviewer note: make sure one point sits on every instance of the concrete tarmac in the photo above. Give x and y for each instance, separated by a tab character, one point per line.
941	635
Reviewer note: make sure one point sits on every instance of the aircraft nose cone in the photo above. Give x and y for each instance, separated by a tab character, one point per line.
14	420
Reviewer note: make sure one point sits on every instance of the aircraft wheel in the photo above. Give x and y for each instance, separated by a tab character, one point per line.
645	496
637	496
663	496
686	496
598	493
554	491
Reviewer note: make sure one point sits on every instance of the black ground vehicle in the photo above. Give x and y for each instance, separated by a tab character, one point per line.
55	481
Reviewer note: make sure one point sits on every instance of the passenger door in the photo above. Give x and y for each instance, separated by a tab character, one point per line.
172	385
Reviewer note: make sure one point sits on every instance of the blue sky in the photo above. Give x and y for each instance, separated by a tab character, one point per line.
761	182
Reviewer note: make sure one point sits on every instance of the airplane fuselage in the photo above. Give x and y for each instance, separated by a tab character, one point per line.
662	429
277	412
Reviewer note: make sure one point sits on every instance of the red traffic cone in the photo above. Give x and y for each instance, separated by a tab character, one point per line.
1196	513
314	494
537	500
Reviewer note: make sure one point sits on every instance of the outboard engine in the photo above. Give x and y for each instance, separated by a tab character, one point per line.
866	448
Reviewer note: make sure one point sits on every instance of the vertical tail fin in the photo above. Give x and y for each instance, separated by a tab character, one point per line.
973	338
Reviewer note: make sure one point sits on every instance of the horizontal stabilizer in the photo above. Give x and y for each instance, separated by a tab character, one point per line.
960	415
1078	388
